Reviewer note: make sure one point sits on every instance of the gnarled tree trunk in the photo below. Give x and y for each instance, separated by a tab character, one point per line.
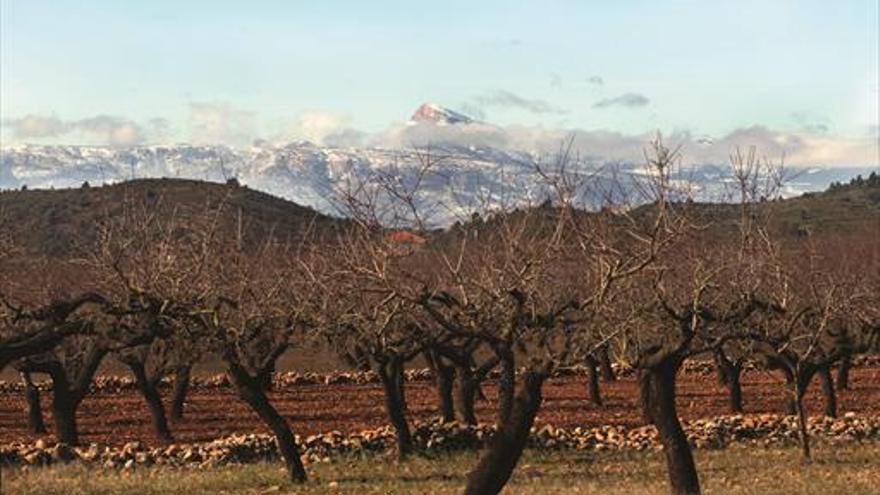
506	386
496	466
604	354
791	408
35	410
843	372
445	386
68	391
179	391
444	379
658	393
64	405
593	391
803	375
391	374
828	391
250	390
466	394
153	399
804	436
729	373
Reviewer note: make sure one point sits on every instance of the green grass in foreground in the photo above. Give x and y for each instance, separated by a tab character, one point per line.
848	469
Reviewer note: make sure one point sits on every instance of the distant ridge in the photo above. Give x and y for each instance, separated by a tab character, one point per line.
61	221
65	221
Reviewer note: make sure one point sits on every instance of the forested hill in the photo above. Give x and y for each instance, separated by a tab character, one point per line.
57	222
842	208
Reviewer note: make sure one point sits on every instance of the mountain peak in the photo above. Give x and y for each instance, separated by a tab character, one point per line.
431	113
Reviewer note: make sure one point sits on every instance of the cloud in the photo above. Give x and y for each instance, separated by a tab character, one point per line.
627	100
324	128
471	110
811	123
505	99
217	122
35	126
161	129
596	80
115	131
601	145
101	129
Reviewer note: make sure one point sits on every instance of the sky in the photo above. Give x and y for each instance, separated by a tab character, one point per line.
231	72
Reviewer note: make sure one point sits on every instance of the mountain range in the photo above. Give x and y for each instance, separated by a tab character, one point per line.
462	176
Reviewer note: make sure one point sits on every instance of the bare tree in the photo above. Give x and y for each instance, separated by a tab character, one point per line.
71	367
252	323
50	319
526	285
150	364
809	324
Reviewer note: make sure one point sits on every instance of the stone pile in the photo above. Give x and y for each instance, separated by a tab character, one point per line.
119	383
286	379
435	436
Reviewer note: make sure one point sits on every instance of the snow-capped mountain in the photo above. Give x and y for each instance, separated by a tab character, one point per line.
435	114
461	177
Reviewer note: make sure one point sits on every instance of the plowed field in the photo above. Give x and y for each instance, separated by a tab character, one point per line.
115	418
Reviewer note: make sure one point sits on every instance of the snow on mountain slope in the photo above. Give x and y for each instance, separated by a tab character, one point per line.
462	177
302	172
435	114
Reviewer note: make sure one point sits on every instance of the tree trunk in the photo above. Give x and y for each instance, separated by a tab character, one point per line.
605	364
735	391
843	372
444	379
791	407
178	393
658	391
496	466
391	374
35	410
803	373
467	395
64	406
153	400
445	385
265	378
251	391
804	436
729	374
828	391
506	387
593	381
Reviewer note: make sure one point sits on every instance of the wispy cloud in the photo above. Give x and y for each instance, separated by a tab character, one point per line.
599	146
472	110
323	127
596	80
218	122
35	126
501	98
102	129
811	123
115	131
626	100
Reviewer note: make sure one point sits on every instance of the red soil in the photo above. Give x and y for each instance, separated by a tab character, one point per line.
109	418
